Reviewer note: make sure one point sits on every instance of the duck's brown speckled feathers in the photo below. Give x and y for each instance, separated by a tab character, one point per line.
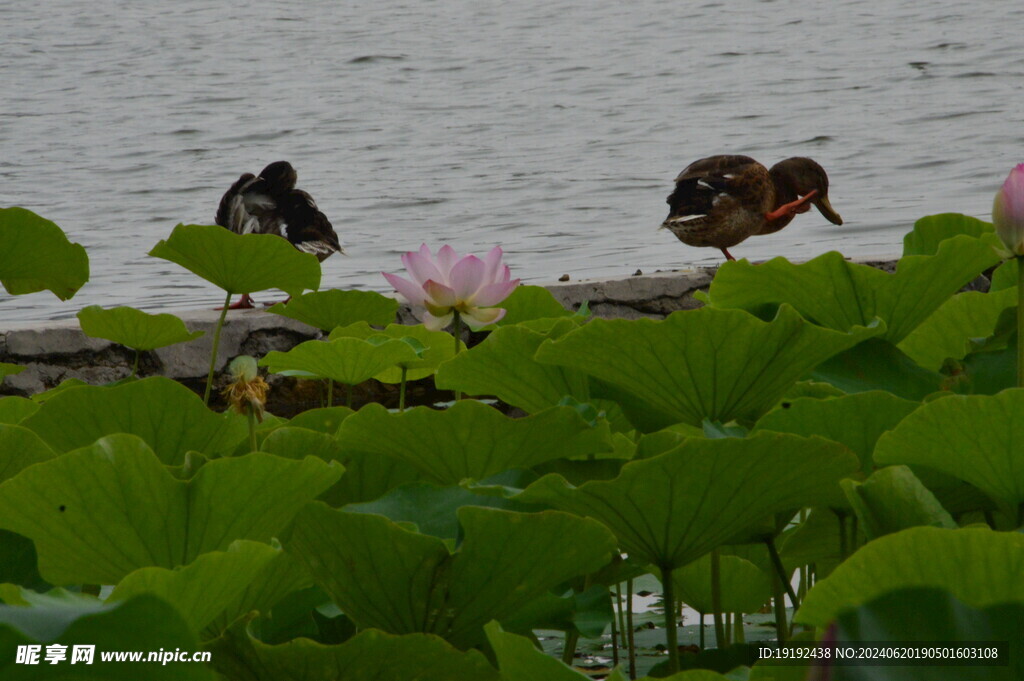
721	200
269	203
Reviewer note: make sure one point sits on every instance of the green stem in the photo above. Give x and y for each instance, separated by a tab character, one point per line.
1020	321
330	392
251	413
135	366
779	599
213	353
702	643
349	393
569	653
401	390
738	636
620	617
630	643
716	598
843	551
671	635
457	331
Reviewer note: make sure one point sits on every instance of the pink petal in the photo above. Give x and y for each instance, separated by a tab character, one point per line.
492	263
439	295
492	294
1013	194
446	259
467	276
434	323
421	267
477	317
410	291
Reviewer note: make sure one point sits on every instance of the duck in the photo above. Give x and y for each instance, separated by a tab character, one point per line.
269	203
720	201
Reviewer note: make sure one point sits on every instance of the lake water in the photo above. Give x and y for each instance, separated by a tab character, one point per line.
553	128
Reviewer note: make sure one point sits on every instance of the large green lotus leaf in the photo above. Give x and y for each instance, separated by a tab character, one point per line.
37	255
893	499
438	347
19	448
371	655
705	363
519	659
384	576
144	623
504	366
297	443
838	294
527	303
927	616
345	360
856	420
745	587
20	564
205	587
323	420
134	328
588	613
8	369
976	438
14	410
978	566
240	263
167	415
369	476
675	507
948	332
98	513
1005	276
932	230
877	364
815	540
470	439
326	310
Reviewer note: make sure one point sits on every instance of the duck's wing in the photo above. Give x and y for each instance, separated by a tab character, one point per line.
307	228
704	183
247	208
231	211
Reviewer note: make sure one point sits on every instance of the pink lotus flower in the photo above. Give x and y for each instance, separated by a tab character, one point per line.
446	284
1008	211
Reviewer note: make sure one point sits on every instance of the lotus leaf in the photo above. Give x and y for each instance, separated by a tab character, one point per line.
14	409
98	513
519	659
399	581
326	310
204	588
144	623
838	294
504	366
893	499
240	263
8	369
20	564
745	587
978	566
324	420
19	448
438	347
345	360
369	476
527	303
877	364
297	443
975	438
37	255
673	508
167	415
856	420
707	363
588	613
371	655
932	230
930	615
471	439
1005	276
133	328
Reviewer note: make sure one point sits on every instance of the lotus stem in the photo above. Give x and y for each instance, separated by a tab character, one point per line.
135	366
401	389
620	621
457	332
716	597
779	600
843	549
780	570
671	635
569	653
1020	321
213	353
251	414
703	644
349	393
631	648
330	392
738	634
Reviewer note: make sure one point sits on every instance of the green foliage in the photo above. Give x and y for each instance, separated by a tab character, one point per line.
471	439
19	448
437	347
977	566
38	256
893	499
528	303
326	310
345	360
930	231
98	513
8	369
707	363
744	586
240	263
134	328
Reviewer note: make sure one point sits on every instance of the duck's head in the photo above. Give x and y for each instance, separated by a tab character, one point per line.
279	177
797	177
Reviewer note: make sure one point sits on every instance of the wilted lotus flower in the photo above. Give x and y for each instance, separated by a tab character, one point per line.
1008	211
446	284
247	392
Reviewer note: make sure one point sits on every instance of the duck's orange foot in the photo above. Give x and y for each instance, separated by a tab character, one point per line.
801	205
283	302
244	303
